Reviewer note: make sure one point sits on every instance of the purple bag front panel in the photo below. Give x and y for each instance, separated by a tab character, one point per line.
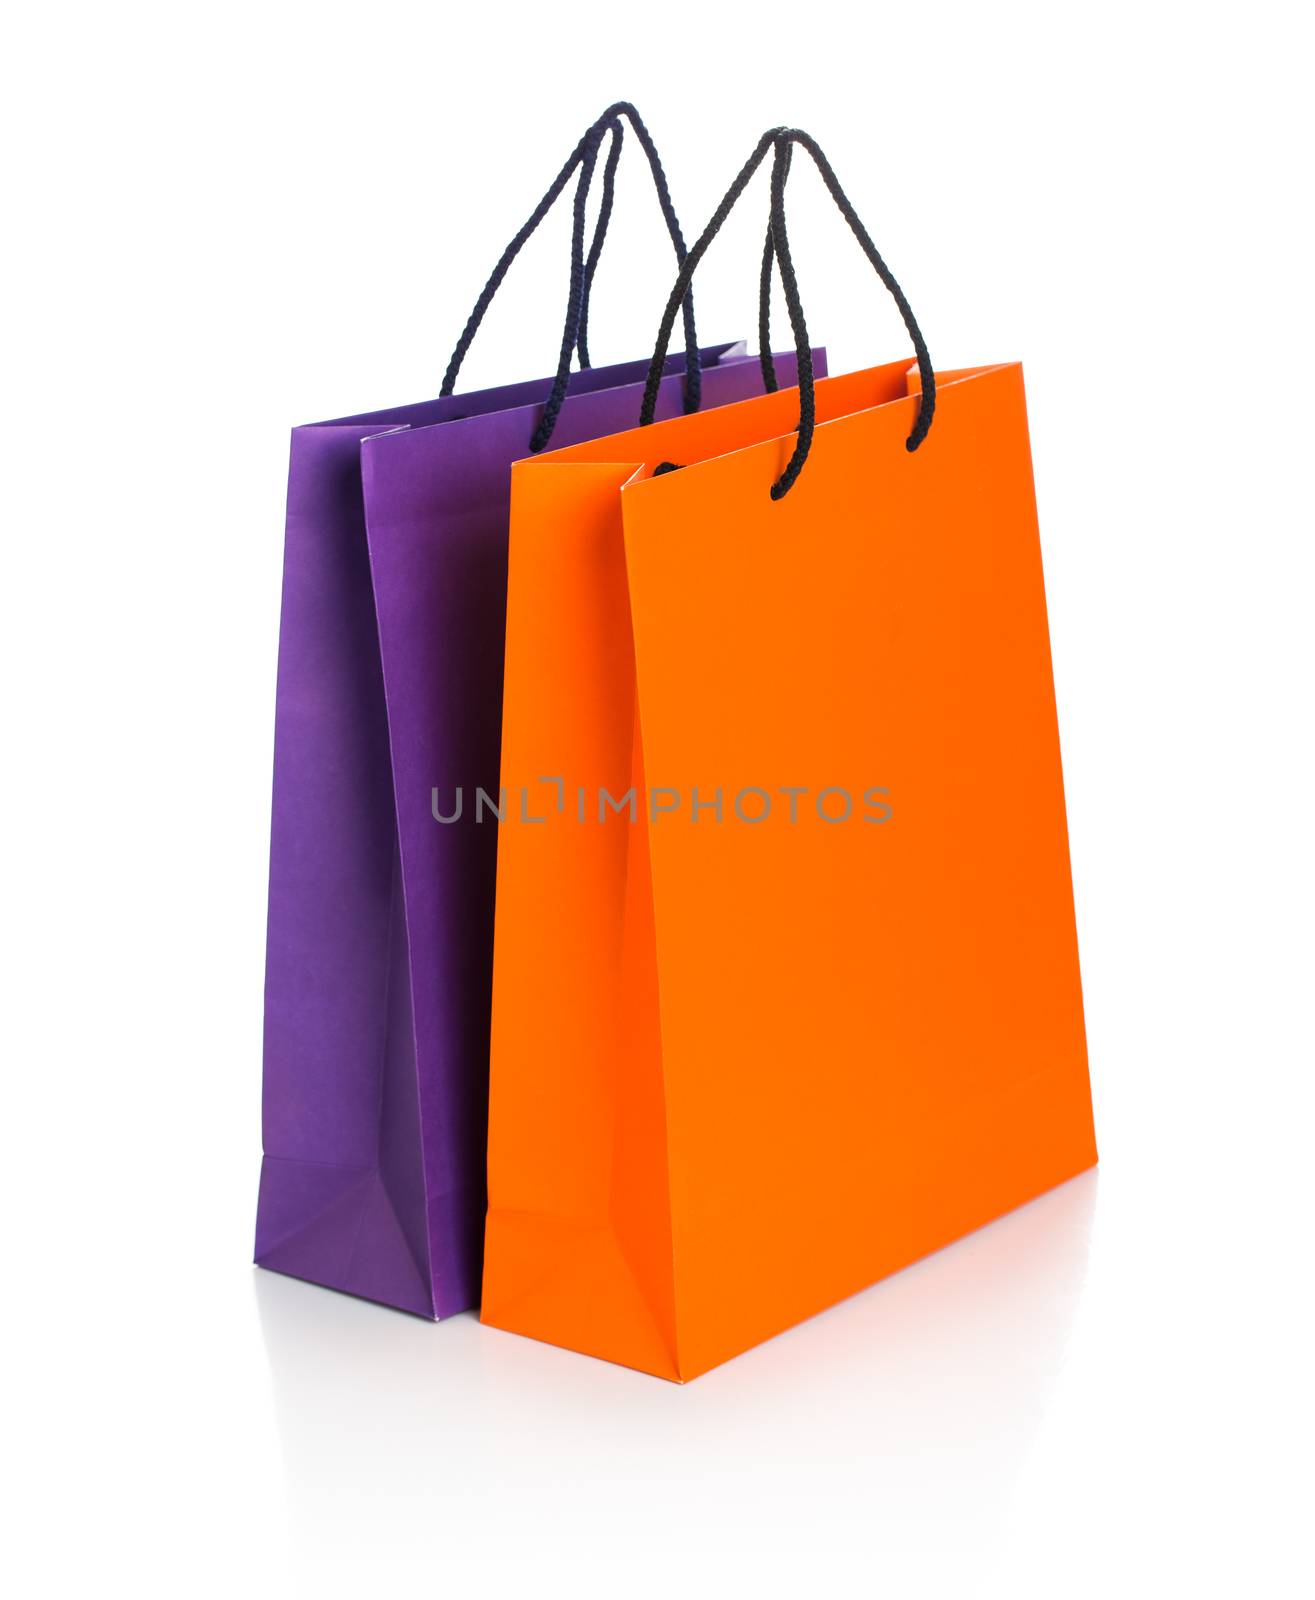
379	961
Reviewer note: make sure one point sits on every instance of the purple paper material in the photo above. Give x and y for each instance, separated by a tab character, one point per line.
379	960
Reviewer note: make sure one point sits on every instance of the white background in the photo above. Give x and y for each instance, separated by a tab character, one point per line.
224	220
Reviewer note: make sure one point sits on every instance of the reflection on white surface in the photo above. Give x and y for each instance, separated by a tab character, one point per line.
860	1436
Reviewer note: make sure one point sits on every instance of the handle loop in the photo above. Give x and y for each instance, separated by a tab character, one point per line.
617	129
575	296
770	381
575	332
781	141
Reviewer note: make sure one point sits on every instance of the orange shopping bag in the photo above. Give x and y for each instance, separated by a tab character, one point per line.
786	987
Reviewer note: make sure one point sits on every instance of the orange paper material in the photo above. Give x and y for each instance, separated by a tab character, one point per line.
744	1068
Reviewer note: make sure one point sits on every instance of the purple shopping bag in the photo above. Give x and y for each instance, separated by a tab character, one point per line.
389	692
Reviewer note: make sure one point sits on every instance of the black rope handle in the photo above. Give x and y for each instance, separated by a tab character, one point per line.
579	156
574	299
770	381
781	140
575	333
617	130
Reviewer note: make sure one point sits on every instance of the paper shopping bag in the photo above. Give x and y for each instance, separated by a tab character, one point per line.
380	919
786	989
